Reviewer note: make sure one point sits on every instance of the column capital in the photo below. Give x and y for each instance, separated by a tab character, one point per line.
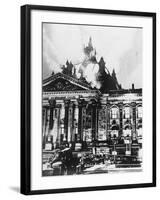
133	104
108	105
45	106
120	104
52	102
80	102
99	104
72	104
66	102
93	101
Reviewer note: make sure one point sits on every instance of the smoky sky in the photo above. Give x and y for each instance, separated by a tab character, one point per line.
121	48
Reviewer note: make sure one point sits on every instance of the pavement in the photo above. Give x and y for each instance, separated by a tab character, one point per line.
103	168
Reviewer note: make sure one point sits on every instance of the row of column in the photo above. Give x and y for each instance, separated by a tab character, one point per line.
68	125
68	121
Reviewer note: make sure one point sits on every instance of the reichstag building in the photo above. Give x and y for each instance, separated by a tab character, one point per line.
102	120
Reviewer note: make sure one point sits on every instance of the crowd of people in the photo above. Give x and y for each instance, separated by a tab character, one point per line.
65	161
73	164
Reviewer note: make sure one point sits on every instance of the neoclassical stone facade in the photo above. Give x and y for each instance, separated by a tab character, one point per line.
99	116
82	117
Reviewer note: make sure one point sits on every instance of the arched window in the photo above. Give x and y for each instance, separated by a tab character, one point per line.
127	112
139	128
139	131
114	130
139	112
114	113
127	131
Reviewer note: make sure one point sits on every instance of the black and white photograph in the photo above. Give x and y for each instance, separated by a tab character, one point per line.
92	99
80	100
88	99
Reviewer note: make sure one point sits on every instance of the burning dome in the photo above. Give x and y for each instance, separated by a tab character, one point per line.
92	71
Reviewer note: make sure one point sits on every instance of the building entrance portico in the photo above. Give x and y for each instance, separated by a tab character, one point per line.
69	117
69	121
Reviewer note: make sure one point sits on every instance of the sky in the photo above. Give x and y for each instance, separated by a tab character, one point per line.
121	48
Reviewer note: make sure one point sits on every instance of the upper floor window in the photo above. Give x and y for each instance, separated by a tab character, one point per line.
127	113
114	113
139	112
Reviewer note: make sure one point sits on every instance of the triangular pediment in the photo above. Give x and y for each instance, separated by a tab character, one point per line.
63	82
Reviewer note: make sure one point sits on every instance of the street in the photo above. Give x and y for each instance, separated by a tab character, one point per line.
103	168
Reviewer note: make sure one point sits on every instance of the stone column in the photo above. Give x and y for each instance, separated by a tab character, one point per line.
133	105
62	116
44	128
80	104
46	131
98	107
52	103
75	134
72	121
108	119
43	116
58	140
120	119
69	123
47	121
84	121
93	106
43	120
66	104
